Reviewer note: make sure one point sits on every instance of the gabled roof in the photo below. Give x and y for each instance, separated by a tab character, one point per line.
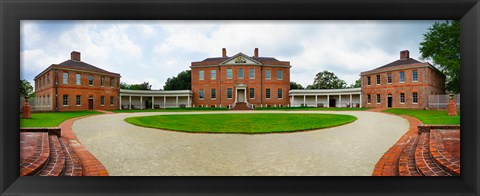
399	62
212	59
237	55
79	65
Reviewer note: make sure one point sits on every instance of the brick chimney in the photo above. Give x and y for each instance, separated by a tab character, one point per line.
224	52
255	53
75	56
405	54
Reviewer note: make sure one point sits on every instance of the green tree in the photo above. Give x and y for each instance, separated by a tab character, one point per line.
294	85
183	81
441	44
357	84
26	89
327	80
142	86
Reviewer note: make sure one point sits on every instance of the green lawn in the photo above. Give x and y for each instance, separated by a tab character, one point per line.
428	116
171	110
313	108
241	123
52	119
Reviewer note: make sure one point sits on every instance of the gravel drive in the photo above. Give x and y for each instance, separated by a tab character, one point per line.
348	150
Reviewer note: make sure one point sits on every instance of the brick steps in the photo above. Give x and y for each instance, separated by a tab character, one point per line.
425	164
73	165
56	162
34	152
240	106
406	164
441	156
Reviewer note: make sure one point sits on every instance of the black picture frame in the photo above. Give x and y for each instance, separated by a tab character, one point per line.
12	11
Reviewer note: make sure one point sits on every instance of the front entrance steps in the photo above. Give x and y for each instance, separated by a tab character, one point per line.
240	106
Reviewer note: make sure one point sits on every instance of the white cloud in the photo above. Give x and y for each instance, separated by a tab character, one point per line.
156	50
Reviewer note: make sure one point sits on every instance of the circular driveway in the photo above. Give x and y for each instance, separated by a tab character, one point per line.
348	150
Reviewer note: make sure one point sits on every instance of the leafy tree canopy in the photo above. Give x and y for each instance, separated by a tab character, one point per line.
357	84
441	44
183	81
294	85
327	80
142	86
26	89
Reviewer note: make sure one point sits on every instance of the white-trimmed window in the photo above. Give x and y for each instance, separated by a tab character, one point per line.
78	79
102	81
415	97
402	98
280	74
402	77
65	100
213	93
112	100
90	80
112	82
229	93
252	73
48	78
201	94
369	98
280	93
252	93
389	78
267	93
65	77
378	79
48	99
378	99
201	75
240	73
414	76
267	74
369	80
78	100
213	74
102	100
229	73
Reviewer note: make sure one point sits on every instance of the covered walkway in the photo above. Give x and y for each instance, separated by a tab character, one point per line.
154	99
350	97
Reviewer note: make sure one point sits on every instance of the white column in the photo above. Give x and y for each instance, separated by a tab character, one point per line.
130	102
141	102
340	103
351	104
360	100
164	101
245	95
120	103
328	101
153	102
316	100
188	101
304	100
176	101
293	100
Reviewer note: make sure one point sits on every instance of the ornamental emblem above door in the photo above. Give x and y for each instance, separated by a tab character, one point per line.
240	59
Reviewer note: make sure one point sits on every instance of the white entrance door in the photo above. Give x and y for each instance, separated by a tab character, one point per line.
241	95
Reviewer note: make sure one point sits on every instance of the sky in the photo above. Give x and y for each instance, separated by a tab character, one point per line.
154	51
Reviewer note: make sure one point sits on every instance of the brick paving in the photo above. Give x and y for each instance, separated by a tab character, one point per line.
73	165
91	166
428	152
34	152
56	161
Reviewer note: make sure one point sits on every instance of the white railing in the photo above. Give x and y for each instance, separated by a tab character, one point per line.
232	105
249	105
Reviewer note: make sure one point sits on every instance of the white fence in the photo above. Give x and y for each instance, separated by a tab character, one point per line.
441	101
36	104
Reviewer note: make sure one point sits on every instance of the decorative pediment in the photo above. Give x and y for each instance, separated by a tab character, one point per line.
240	59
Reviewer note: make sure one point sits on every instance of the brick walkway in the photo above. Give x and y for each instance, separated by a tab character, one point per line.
90	164
34	152
432	153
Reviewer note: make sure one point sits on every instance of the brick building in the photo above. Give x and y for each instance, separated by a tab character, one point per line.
240	80
76	85
404	83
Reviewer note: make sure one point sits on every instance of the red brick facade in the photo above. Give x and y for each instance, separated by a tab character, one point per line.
257	82
51	88
429	81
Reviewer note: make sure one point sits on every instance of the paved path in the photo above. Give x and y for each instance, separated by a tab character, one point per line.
348	150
